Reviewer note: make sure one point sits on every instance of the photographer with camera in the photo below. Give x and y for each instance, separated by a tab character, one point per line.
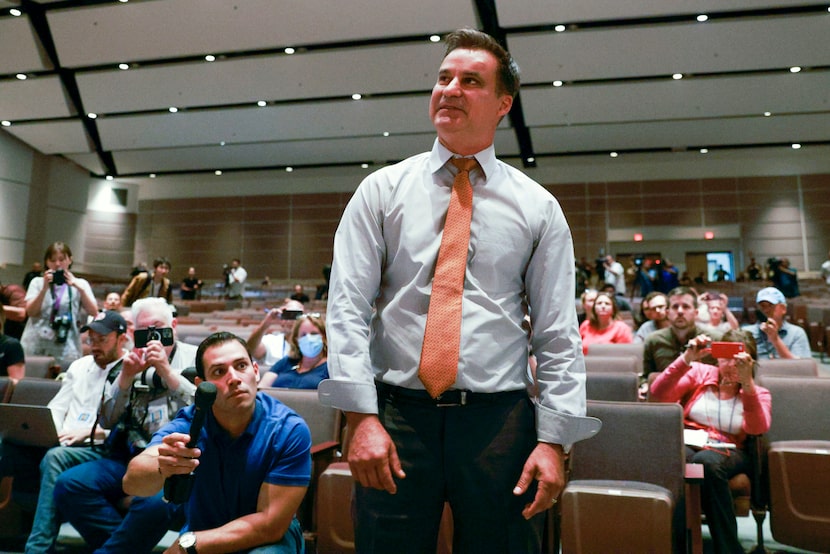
54	304
267	347
145	283
147	394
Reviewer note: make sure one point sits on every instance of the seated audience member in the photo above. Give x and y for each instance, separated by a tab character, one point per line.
12	358
604	325
587	300
75	410
112	301
306	363
299	295
720	319
191	287
622	304
13	300
149	391
654	306
662	347
268	347
775	337
36	271
146	284
725	402
251	444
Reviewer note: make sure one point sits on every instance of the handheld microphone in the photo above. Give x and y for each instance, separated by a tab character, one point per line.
177	488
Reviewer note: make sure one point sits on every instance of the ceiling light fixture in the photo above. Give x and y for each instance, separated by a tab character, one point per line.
677	76
614	154
767	114
558	83
261	103
210	58
364	166
796	146
110	178
172	109
386	133
703	17
92	115
222	143
435	38
530	160
123	66
217	172
6	123
289	169
357	96
795	69
704	150
22	76
15	12
152	175
560	28
289	50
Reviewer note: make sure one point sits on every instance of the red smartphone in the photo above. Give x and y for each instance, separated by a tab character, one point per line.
726	350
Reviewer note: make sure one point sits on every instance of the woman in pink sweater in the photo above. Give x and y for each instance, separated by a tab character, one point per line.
727	405
603	325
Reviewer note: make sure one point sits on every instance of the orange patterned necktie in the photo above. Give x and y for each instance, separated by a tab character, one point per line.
442	336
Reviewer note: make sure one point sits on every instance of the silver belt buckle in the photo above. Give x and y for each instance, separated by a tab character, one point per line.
462	401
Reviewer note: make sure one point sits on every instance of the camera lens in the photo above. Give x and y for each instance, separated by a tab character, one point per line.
153	335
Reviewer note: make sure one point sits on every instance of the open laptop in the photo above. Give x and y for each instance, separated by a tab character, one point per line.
28	425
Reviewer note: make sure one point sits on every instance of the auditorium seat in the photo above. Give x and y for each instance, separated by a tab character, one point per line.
595	363
634	349
802	367
622	387
34	391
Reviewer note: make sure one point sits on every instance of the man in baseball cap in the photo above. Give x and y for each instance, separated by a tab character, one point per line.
775	337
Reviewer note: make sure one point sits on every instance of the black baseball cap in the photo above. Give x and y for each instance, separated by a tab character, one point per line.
106	322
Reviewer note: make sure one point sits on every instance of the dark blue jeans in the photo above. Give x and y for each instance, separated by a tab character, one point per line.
472	457
86	497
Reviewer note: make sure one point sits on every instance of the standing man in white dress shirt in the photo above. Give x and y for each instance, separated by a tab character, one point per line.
482	445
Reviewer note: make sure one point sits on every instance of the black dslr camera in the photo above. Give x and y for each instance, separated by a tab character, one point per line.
143	336
58	277
61	326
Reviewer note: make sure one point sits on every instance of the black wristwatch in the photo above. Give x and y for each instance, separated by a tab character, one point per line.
187	542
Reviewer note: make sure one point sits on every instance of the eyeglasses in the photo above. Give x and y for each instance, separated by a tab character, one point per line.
95	341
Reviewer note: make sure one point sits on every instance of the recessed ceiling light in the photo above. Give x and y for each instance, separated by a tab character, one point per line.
703	17
218	172
152	175
210	58
222	143
614	154
435	38
92	115
22	76
15	12
123	1
110	178
677	76
261	103
6	123
386	133
795	69
289	50
289	169
123	66
704	150
364	166
530	160
357	96
796	146
767	114
558	83
560	28
172	109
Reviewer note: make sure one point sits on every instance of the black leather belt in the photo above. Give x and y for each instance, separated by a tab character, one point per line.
450	398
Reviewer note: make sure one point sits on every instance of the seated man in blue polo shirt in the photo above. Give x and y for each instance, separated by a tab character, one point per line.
775	337
252	463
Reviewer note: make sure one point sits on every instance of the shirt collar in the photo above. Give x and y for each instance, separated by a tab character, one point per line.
440	155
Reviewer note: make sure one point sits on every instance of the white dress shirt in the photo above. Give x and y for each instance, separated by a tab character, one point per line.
385	251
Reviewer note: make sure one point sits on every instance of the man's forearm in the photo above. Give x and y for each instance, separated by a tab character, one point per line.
143	477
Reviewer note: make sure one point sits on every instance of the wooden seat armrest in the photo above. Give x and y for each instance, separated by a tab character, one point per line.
694	480
324	447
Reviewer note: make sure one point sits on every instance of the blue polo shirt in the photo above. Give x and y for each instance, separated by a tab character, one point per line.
791	335
275	449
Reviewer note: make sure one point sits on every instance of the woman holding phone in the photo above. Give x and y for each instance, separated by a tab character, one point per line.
56	305
724	402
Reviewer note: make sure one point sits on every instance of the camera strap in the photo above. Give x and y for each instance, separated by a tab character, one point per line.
56	301
113	373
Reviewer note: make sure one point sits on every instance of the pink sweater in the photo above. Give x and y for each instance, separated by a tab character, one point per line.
684	384
618	331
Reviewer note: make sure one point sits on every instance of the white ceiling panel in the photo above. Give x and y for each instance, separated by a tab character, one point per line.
17	37
520	13
54	137
680	134
90	162
137	31
314	75
667	49
347	118
36	98
684	99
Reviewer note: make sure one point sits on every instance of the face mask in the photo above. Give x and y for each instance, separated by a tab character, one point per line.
311	345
